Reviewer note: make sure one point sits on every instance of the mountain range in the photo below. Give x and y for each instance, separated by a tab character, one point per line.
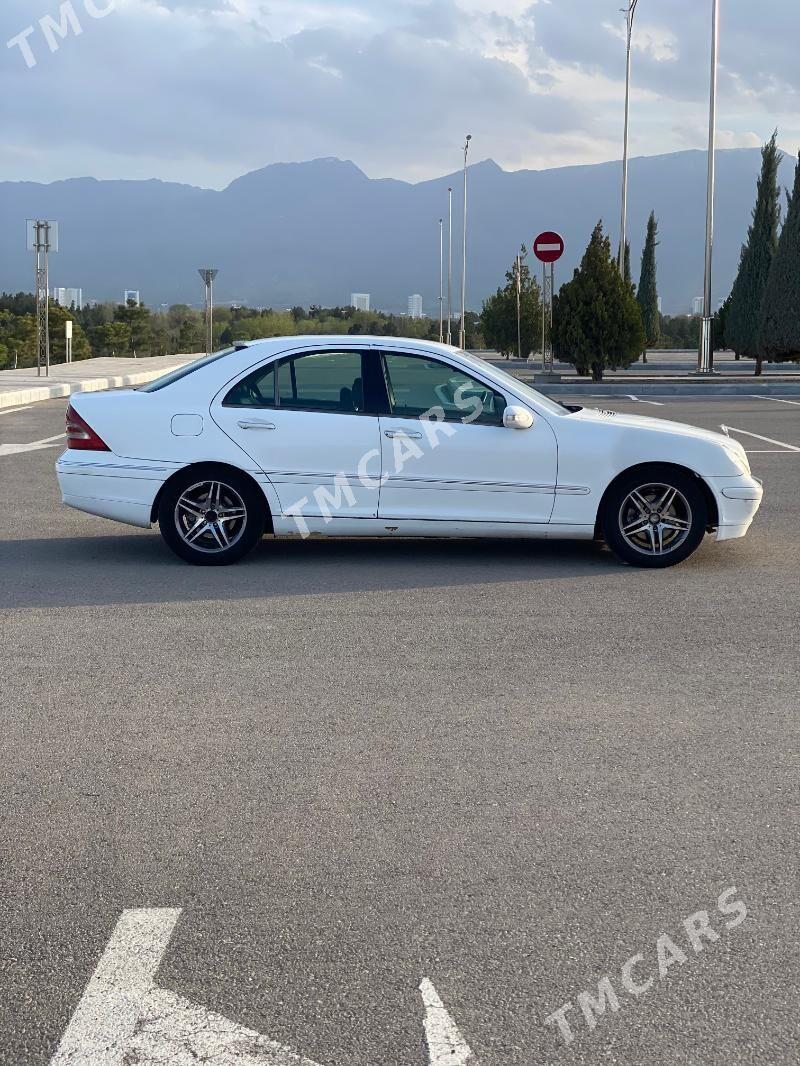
314	232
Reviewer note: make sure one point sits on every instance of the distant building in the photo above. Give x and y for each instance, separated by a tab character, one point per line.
68	297
661	305
415	306
132	295
698	305
360	300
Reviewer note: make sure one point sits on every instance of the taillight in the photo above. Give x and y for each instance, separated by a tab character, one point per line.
81	436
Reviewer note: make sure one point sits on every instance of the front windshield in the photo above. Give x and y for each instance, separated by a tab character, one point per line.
549	405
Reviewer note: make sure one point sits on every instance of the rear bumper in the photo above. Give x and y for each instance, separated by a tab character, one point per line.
738	500
110	487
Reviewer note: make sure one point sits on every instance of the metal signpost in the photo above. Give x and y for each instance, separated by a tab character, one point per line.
208	275
42	238
68	338
548	248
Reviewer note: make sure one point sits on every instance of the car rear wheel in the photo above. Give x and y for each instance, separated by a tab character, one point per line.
211	516
655	517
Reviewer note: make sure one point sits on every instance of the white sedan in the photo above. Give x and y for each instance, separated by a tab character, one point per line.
387	437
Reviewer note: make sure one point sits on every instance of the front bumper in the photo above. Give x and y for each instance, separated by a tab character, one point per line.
738	500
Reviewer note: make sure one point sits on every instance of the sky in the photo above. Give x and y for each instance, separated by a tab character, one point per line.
201	91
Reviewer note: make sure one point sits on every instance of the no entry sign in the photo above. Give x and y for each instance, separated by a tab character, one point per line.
548	247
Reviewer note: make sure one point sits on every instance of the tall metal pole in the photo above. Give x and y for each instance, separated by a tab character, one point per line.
441	280
519	316
450	265
42	249
630	11
705	359
210	339
208	276
462	337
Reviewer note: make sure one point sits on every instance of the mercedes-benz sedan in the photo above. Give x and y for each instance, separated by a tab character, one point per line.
387	437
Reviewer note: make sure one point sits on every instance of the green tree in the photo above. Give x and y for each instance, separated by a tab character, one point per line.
139	321
647	293
58	317
743	318
779	336
498	318
721	327
115	338
17	339
597	324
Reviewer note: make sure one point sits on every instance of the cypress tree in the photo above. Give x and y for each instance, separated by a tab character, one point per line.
780	313
647	293
499	315
744	314
596	319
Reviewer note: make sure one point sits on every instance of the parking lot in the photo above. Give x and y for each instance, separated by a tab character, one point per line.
504	767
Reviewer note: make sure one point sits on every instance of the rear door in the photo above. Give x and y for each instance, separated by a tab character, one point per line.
447	455
311	424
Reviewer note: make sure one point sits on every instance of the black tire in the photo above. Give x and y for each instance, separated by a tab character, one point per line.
650	529
209	494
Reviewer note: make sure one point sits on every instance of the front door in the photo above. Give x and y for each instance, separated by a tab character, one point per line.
309	422
447	455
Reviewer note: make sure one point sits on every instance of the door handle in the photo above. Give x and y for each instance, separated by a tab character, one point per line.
256	425
402	433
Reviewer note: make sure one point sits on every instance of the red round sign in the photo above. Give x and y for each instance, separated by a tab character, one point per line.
548	247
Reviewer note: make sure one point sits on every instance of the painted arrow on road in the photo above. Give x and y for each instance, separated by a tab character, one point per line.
124	1018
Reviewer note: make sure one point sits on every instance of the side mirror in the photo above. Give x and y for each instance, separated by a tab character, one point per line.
517	418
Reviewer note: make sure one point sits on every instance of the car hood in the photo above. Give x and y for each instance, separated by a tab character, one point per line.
656	425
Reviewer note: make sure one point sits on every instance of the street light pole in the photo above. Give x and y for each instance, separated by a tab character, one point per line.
450	265
441	280
519	315
208	275
463	333
629	11
705	359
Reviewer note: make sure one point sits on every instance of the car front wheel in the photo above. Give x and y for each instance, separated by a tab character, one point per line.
211	516
655	517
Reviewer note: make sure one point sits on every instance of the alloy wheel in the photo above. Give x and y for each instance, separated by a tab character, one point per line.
655	519
210	516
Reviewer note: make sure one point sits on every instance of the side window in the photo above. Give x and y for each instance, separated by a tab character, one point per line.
322	381
256	390
417	385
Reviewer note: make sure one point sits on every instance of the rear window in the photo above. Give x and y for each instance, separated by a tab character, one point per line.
184	371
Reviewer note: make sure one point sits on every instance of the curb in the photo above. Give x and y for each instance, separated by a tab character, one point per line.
20	397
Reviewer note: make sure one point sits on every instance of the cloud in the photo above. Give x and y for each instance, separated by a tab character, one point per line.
201	90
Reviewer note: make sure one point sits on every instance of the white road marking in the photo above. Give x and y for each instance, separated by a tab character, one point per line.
34	446
446	1045
124	1018
757	436
13	410
776	399
653	403
113	1001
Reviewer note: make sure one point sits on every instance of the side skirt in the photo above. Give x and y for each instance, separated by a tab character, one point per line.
379	527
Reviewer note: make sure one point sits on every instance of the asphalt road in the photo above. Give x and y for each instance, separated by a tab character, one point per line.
507	767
